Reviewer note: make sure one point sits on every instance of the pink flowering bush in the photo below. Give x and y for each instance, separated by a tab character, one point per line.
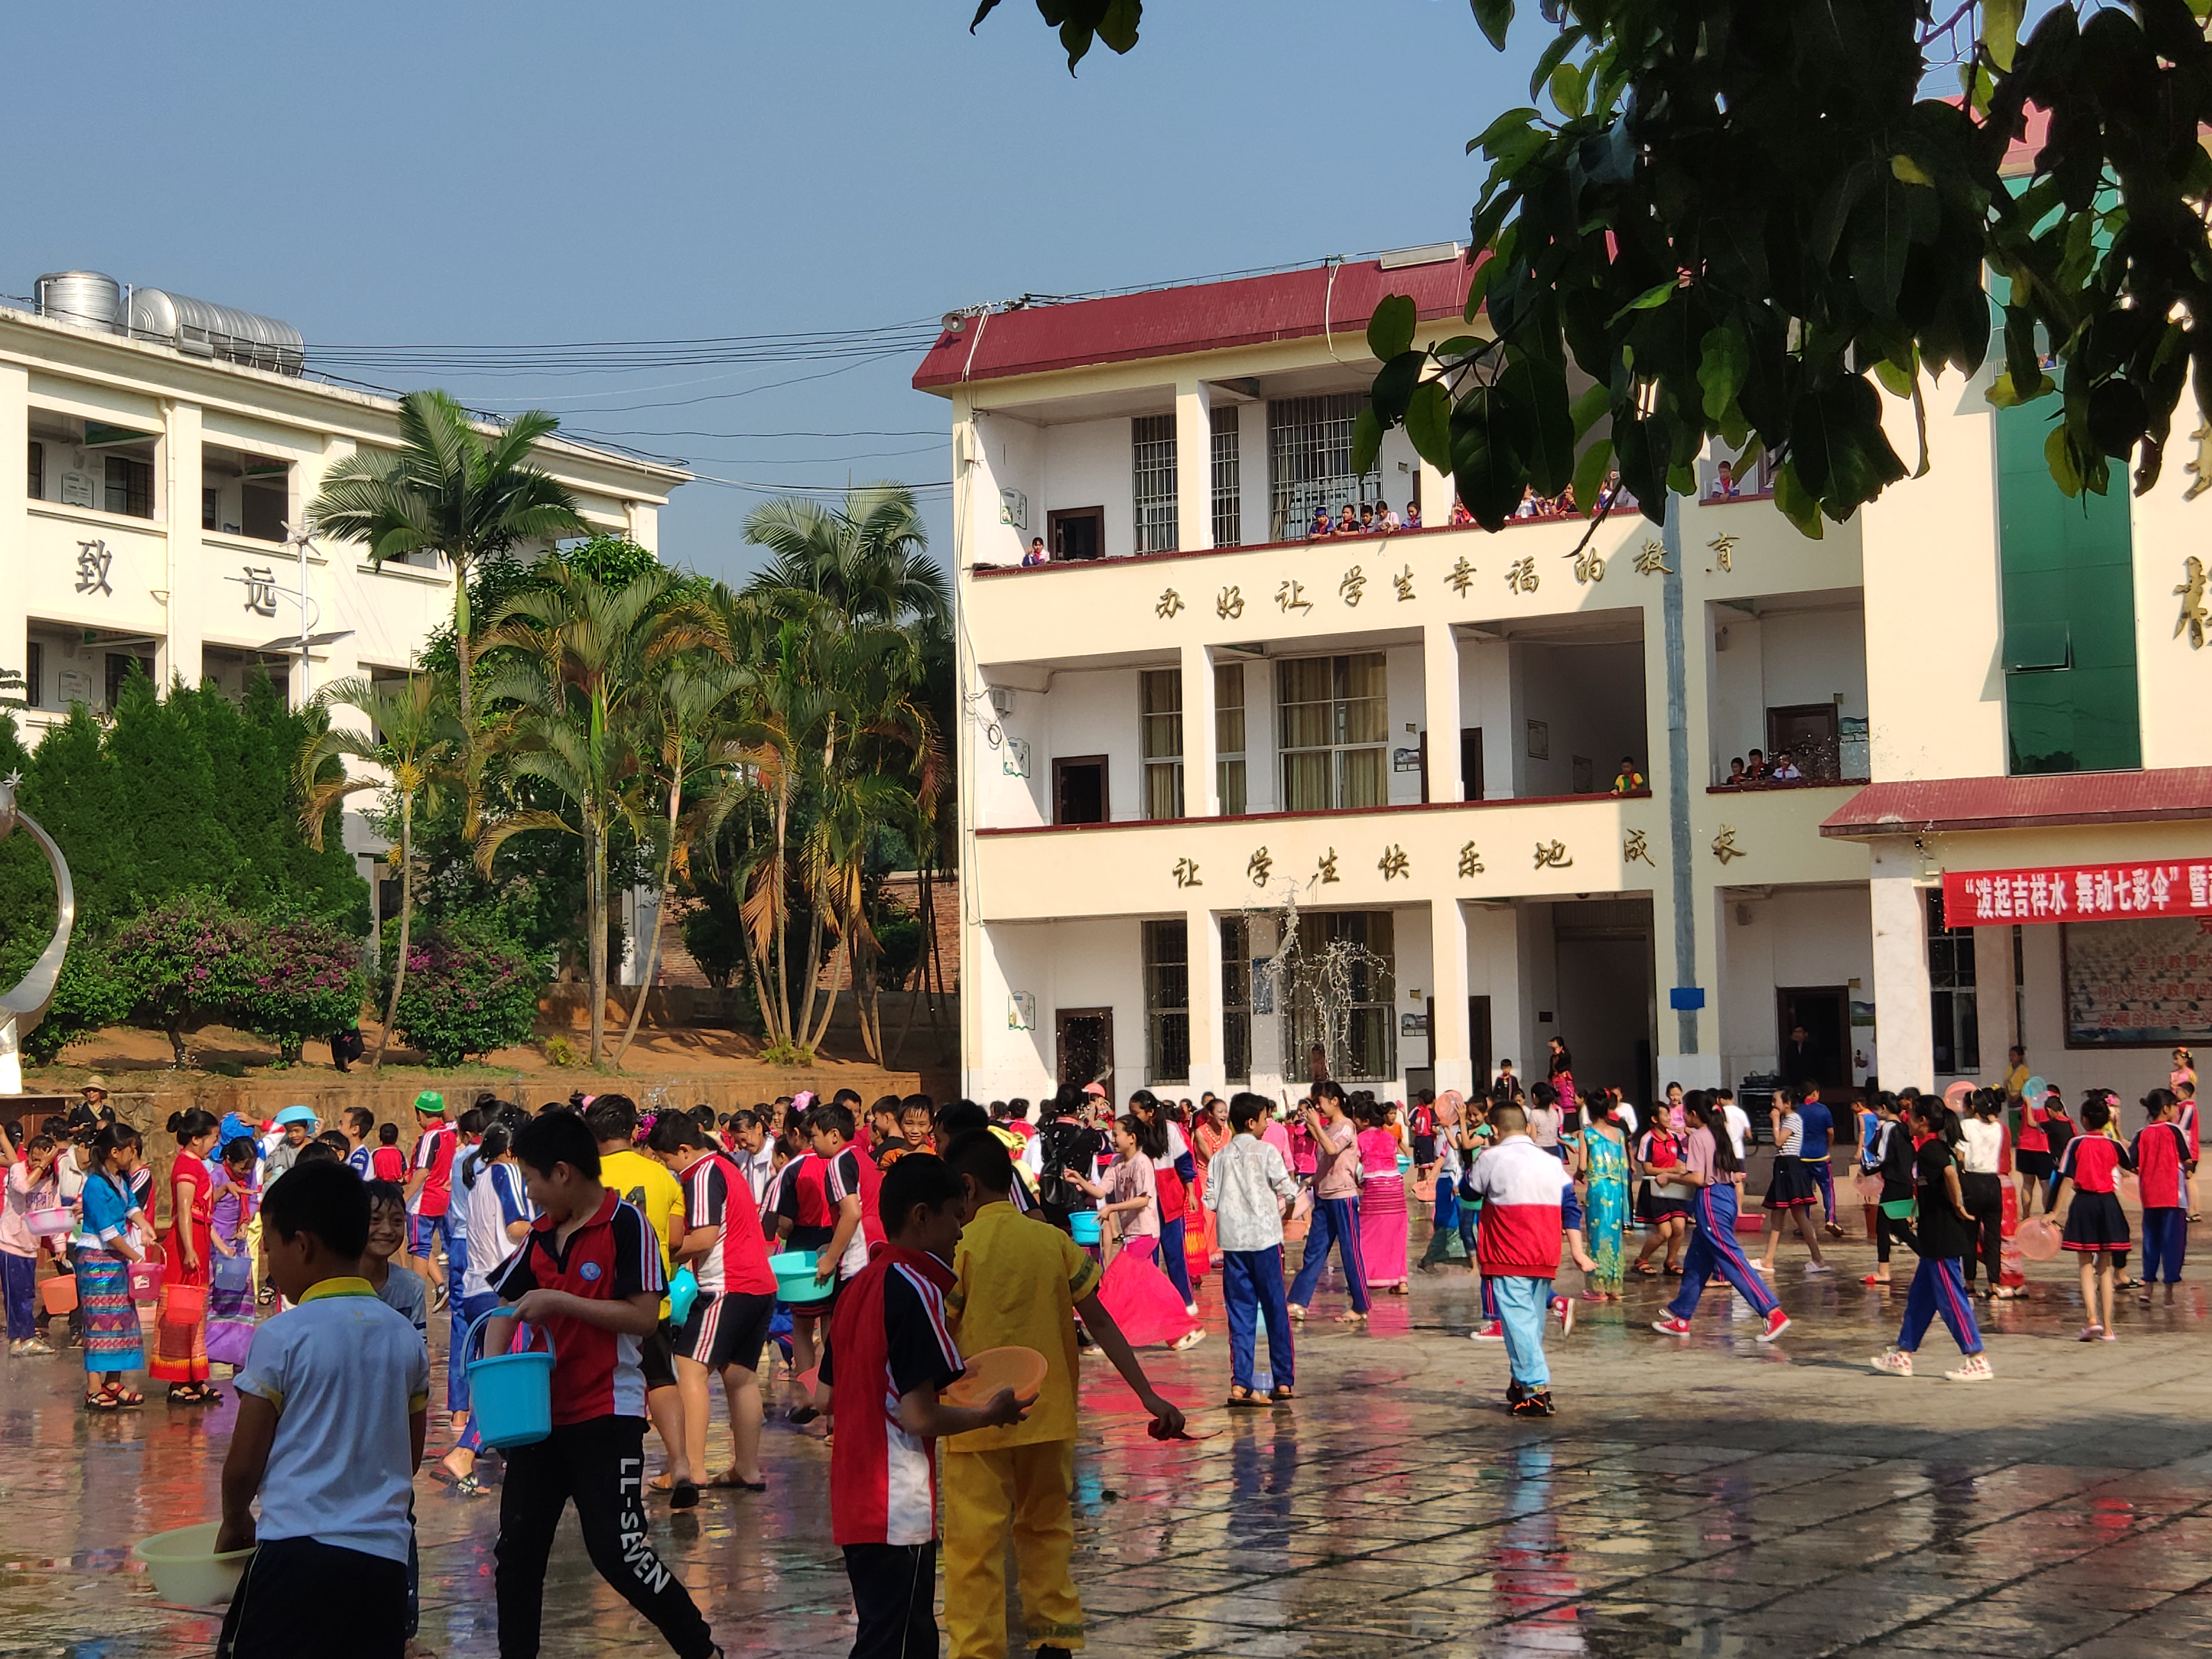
179	963
298	977
470	989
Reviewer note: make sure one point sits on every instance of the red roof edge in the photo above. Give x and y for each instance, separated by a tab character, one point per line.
1337	298
1930	804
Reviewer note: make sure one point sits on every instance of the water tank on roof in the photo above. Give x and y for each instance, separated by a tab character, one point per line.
84	298
202	328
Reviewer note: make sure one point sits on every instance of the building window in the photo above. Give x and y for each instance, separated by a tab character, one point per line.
1154	445
1236	999
34	674
1160	698
1228	479
1229	737
37	479
130	487
1167	1002
210	507
1335	718
1309	460
121	664
1340	996
1951	996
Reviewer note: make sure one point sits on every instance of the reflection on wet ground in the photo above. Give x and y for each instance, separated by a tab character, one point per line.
1705	1498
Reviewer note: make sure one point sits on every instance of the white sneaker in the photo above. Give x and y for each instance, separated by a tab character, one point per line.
1815	1269
1190	1340
1976	1369
1895	1362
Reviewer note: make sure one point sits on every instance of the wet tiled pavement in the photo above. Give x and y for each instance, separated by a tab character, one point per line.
1705	1498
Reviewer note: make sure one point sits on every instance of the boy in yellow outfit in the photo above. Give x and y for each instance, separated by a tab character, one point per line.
1021	1282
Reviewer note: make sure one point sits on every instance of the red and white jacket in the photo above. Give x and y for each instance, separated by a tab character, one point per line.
1519	1184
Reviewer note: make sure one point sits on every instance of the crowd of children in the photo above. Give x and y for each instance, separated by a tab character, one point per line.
640	1243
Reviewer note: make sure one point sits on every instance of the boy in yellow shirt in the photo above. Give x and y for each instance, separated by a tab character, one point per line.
1021	1282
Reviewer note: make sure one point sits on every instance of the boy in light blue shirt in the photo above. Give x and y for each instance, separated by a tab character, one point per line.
332	1413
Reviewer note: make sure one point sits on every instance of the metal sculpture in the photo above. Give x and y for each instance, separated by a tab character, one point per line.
23	1008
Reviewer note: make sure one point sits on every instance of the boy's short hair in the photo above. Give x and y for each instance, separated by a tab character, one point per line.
2160	1100
918	1103
672	1132
962	1117
383	1191
1508	1118
319	1151
837	1119
1246	1109
612	1117
2095	1113
323	1198
1018	1110
363	1120
335	1140
387	1134
979	1153
919	1180
849	1098
559	1137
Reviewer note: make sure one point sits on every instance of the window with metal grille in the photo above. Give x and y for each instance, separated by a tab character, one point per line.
1153	439
130	487
1309	460
1236	999
1167	1002
1228	479
1334	715
1159	692
37	479
1351	1012
1951	998
1229	737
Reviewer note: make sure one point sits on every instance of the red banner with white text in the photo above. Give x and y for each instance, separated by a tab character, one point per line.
2080	892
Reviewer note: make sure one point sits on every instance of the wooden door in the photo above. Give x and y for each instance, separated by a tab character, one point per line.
1085	1044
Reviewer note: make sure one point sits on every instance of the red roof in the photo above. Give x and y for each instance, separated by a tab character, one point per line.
1171	322
1937	804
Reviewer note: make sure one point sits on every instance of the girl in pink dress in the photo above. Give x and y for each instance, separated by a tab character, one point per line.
1144	1302
1382	1201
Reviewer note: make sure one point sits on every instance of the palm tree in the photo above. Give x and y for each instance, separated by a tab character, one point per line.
868	560
691	738
450	489
416	743
575	690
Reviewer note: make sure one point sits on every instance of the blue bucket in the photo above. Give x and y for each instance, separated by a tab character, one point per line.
795	1282
1083	1224
511	1394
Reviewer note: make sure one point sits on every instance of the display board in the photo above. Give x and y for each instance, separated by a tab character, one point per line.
2142	984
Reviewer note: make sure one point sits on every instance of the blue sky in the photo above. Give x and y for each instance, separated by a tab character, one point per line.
460	172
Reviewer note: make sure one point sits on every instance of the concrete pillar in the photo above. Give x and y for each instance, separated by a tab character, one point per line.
1997	1006
1202	950
1201	782
1256	499
1436	496
644	525
1440	684
1448	1049
1904	1027
1194	467
15	524
1261	940
195	589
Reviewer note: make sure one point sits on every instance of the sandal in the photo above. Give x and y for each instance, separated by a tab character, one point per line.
102	1400
1244	1399
728	1481
1645	1270
1282	1394
128	1397
469	1487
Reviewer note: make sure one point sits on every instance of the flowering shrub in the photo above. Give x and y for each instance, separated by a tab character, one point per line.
298	977
469	990
179	963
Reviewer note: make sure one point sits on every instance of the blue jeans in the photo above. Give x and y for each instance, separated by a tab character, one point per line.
1713	1250
1173	1262
20	1274
466	1309
423	1232
1824	1177
1522	1306
1335	1220
1939	1287
2165	1241
1252	1286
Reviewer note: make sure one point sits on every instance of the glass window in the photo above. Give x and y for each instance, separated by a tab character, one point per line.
34	674
1309	461
1951	994
1167	1002
1227	487
130	487
38	476
1153	441
1160	700
1229	737
1342	995
1236	999
1335	723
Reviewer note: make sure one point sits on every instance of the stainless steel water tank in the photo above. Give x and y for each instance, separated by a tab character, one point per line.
204	329
84	298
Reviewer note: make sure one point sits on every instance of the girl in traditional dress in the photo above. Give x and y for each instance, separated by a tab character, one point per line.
105	1244
1382	1201
1210	1134
181	1355
1605	1200
230	1271
1144	1302
1173	1170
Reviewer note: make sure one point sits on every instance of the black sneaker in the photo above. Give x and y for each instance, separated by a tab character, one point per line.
801	1414
1538	1404
1514	1393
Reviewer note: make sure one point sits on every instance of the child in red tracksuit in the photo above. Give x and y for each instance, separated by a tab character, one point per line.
2162	1159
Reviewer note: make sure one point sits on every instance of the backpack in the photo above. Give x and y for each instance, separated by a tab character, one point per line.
1065	1145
